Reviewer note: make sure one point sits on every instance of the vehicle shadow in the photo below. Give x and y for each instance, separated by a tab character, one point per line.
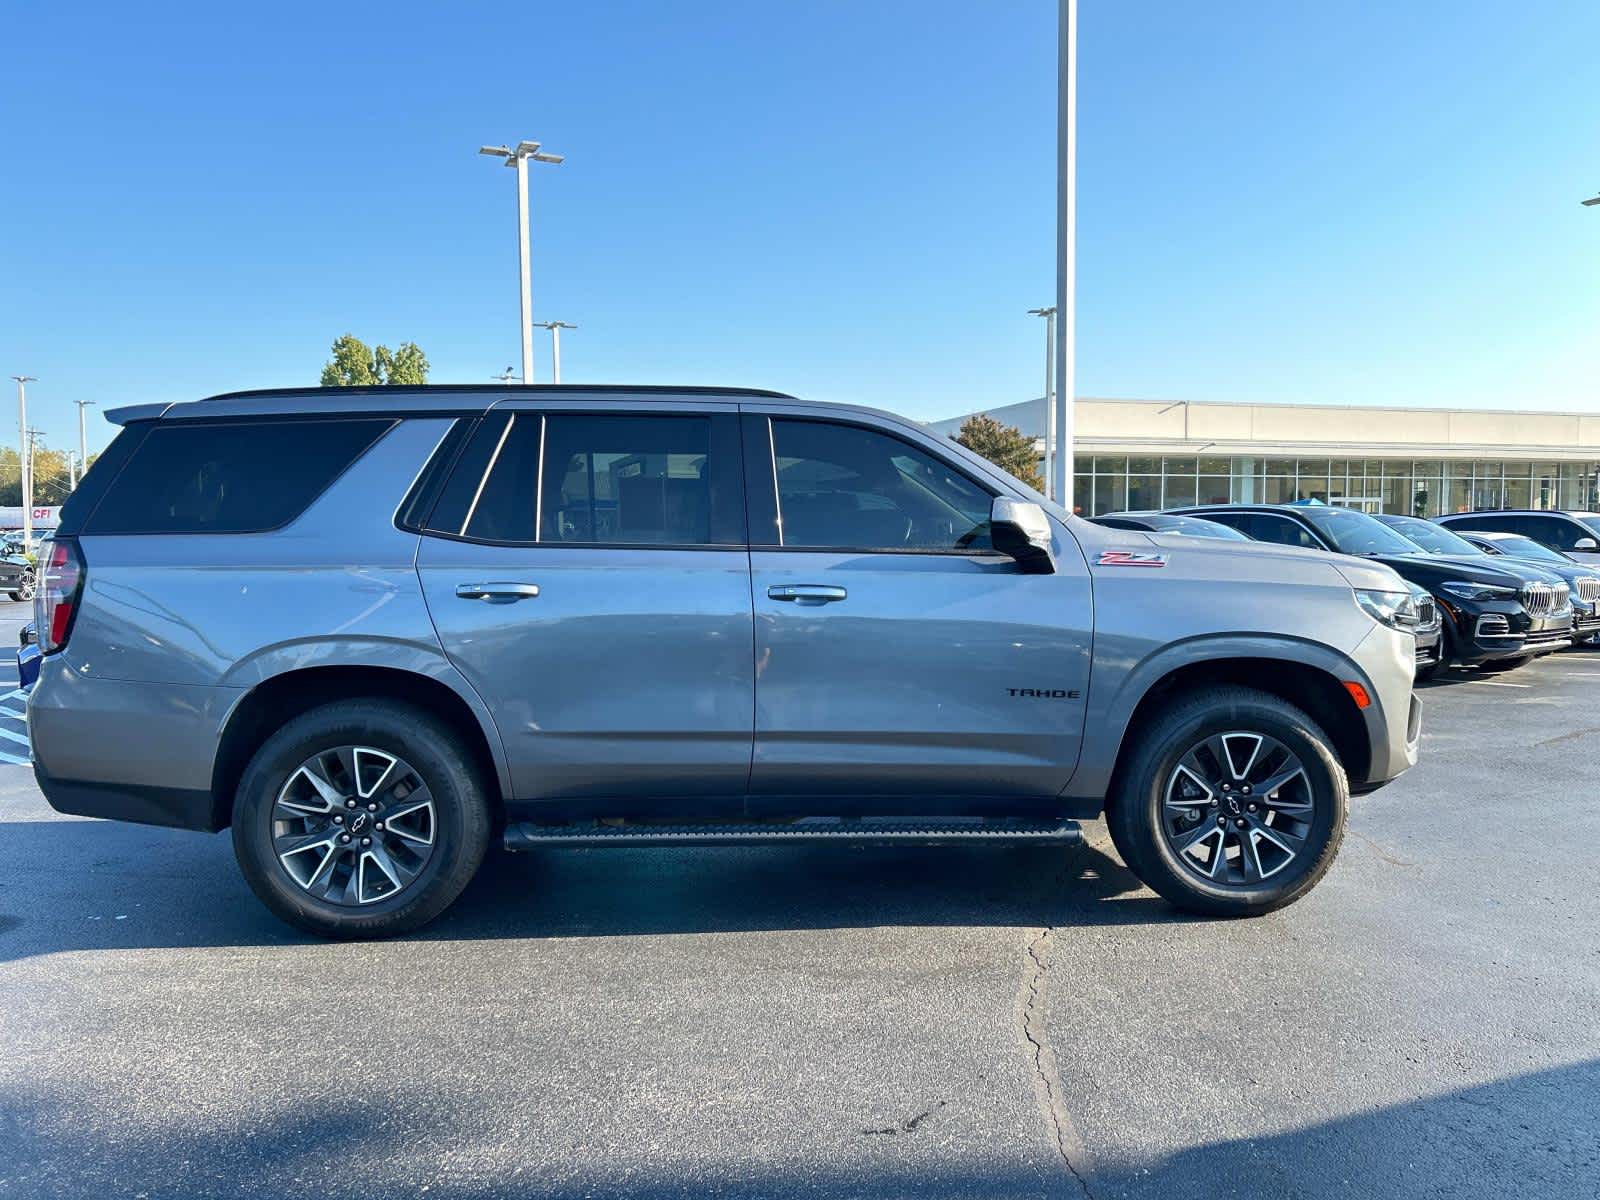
1532	1136
75	885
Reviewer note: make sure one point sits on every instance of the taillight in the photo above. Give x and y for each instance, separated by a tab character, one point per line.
60	586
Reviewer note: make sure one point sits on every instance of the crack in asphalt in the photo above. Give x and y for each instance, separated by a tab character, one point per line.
1068	1143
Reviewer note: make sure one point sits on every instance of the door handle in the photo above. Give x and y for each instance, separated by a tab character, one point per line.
497	593
807	593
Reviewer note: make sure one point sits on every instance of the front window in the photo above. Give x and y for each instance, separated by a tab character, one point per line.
844	487
1521	547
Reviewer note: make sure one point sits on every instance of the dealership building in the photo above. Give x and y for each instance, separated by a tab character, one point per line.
1143	454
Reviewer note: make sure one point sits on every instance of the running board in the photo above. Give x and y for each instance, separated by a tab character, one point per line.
525	835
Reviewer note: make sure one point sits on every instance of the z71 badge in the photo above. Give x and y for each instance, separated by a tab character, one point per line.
1130	558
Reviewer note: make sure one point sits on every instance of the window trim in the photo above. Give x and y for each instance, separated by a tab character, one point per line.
768	467
720	420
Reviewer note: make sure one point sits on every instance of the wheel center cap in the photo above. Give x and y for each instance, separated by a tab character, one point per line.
1233	806
361	819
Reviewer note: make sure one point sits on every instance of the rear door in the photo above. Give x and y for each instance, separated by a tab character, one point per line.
1561	533
897	655
586	569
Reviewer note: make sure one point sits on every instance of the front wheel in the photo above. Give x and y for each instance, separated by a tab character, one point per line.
361	818
1232	804
25	589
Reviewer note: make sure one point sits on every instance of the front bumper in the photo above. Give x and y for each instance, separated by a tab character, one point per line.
1388	658
1497	629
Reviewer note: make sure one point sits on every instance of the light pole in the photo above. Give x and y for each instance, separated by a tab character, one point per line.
1066	246
518	158
555	328
83	437
22	456
1049	315
506	376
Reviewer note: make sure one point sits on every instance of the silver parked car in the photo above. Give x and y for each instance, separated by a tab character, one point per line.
371	629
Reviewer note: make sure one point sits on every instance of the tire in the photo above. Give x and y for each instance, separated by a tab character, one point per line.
446	831
1428	673
1139	815
25	592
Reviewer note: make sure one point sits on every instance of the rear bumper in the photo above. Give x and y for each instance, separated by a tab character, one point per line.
127	751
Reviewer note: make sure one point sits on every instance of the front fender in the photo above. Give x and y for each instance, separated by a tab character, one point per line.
1118	682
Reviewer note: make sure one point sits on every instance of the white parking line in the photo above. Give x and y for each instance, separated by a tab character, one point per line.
1493	683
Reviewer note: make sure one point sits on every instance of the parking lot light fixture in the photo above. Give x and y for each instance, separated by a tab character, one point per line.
519	158
555	328
1591	201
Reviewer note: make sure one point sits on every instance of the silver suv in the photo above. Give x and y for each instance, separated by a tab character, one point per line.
373	629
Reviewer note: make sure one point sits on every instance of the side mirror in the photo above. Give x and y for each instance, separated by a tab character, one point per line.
1020	530
1586	544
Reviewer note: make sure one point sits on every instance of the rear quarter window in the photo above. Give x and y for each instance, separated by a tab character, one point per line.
229	477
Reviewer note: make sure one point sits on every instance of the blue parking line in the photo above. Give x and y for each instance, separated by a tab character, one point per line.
13	759
15	737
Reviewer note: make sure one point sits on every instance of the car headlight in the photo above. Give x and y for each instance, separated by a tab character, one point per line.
1463	590
1397	610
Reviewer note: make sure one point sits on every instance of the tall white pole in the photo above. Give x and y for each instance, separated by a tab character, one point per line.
22	458
555	353
83	435
1066	248
1051	449
522	266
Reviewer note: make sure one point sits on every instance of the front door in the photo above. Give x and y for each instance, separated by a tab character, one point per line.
587	573
897	655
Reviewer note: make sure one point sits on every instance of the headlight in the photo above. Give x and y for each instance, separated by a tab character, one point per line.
1394	609
1478	591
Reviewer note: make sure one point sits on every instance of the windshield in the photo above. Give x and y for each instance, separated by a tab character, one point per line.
1357	533
1520	547
1435	539
1199	527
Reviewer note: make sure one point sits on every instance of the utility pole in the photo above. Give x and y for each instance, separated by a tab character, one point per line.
1049	315
518	159
555	328
1066	247
22	457
83	438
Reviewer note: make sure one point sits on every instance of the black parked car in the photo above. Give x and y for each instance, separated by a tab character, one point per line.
1160	522
16	577
1574	533
1584	581
1492	616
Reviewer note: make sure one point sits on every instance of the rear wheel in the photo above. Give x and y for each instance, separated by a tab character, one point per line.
1231	804
362	818
25	589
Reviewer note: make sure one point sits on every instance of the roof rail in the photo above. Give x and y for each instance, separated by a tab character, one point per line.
653	389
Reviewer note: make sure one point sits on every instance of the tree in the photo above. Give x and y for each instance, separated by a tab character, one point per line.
354	365
1006	446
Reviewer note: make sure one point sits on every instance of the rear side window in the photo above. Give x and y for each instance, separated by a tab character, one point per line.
598	479
1264	527
229	477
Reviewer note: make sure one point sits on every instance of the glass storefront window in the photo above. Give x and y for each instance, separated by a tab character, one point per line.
1278	466
1144	491
1516	493
1144	466
1460	494
1216	466
1110	494
1180	489
1178	466
1217	489
1276	489
1113	464
1083	496
1312	487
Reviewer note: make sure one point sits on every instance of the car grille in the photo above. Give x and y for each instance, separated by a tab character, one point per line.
1542	599
1589	588
1428	611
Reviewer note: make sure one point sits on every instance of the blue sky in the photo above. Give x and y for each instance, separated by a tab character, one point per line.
1281	202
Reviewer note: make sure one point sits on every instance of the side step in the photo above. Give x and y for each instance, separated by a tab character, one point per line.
527	835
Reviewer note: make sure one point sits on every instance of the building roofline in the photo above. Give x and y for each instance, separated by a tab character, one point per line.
1298	404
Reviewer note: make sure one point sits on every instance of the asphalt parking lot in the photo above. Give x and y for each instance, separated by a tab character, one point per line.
834	1021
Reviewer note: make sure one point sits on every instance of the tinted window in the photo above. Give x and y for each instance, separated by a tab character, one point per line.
1559	532
627	480
852	488
1357	533
1280	531
1435	539
234	477
1487	521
